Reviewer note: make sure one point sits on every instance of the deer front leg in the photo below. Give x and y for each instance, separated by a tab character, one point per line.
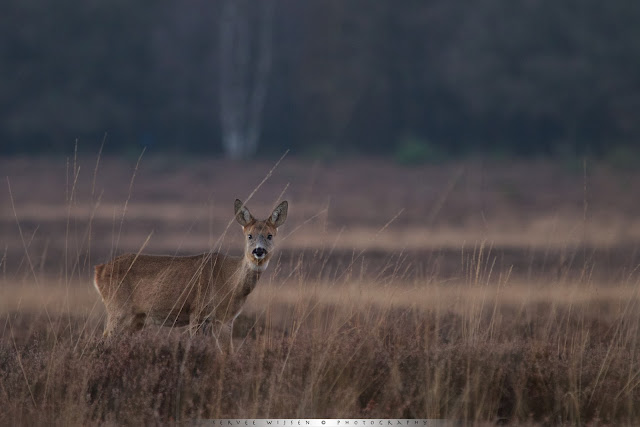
221	332
199	325
223	335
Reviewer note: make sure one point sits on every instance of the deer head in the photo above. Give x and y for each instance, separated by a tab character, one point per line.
259	235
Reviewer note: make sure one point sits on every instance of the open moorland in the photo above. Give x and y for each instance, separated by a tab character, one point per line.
482	291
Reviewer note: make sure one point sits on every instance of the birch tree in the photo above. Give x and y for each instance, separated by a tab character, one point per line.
246	45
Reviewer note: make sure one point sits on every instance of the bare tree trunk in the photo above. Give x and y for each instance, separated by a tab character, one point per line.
245	65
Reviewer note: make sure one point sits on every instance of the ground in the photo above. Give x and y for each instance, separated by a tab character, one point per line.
481	290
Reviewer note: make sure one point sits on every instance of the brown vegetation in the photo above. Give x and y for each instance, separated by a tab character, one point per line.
481	331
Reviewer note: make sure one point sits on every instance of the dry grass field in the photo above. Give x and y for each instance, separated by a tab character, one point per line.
474	291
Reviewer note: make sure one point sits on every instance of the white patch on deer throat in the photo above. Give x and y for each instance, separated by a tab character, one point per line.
258	268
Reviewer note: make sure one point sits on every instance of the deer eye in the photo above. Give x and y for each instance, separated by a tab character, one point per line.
270	236
250	236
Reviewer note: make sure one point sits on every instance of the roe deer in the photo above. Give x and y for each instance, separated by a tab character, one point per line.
205	292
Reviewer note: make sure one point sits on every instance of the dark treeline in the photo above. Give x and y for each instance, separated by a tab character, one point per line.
522	76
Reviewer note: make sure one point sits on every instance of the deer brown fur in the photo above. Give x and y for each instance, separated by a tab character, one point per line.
204	292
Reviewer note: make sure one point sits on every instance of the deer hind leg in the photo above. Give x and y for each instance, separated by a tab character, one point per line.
137	322
113	325
109	327
127	323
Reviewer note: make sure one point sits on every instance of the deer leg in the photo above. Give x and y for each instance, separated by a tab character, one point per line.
199	325
137	322
128	323
223	337
220	332
110	326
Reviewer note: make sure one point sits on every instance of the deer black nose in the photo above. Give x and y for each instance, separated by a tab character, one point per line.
259	252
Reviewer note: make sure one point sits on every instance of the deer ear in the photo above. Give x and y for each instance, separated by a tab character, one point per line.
243	216
279	214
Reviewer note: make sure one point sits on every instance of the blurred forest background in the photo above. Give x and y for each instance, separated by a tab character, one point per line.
323	78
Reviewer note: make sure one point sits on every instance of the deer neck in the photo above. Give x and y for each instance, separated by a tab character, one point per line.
248	275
